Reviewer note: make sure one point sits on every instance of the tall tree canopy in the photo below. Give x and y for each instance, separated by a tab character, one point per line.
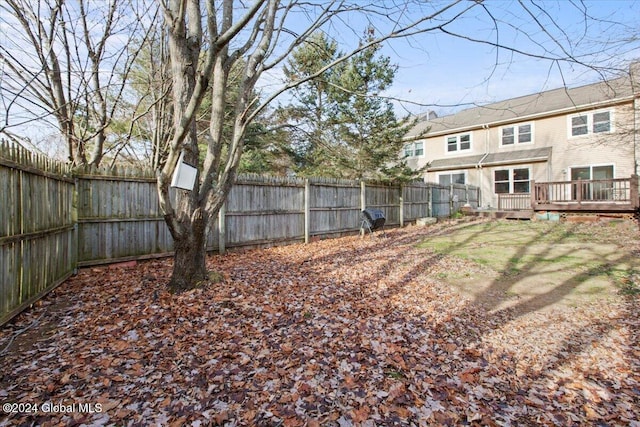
342	124
310	114
70	61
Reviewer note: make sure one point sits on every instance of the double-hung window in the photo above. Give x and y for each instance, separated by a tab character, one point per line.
590	123
519	134
460	142
414	149
418	148
601	122
408	150
513	180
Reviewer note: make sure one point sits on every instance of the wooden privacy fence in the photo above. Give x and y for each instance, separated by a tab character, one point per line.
53	220
37	228
119	216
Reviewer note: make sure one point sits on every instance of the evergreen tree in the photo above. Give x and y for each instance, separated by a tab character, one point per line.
309	117
266	145
341	124
370	134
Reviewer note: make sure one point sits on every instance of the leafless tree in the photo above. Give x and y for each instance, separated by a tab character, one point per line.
69	61
145	118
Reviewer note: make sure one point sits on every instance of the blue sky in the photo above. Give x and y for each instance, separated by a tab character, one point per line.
446	73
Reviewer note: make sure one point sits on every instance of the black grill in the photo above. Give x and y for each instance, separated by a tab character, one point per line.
372	219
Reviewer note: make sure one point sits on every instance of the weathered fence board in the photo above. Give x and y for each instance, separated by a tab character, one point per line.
334	206
264	209
37	236
119	216
446	200
387	198
416	200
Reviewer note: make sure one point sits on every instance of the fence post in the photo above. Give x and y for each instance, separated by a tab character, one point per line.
429	200
307	210
363	196
401	205
75	246
222	229
451	201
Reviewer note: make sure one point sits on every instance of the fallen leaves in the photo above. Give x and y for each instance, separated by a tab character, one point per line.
340	332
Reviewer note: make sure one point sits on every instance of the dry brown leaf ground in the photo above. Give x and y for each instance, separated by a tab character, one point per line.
339	332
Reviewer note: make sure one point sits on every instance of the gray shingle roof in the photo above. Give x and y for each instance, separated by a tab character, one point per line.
492	159
539	104
455	163
535	155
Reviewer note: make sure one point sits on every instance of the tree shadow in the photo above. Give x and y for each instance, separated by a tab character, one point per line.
516	271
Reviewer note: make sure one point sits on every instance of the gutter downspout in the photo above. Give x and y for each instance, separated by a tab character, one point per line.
486	153
634	76
479	165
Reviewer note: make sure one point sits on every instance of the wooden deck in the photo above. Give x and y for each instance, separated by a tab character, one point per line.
605	195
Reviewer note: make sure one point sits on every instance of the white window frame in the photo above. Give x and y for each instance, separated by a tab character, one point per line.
454	172
591	167
416	149
407	150
516	135
511	180
458	137
411	149
590	123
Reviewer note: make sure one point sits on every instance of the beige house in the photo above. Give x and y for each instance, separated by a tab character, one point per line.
588	133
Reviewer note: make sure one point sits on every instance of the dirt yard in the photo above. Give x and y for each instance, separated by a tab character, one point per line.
460	323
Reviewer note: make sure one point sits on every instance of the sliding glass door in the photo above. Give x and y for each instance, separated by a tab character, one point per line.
592	190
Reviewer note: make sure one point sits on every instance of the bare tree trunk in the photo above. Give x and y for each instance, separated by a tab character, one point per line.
189	268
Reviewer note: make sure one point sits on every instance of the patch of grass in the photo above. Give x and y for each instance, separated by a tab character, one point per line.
561	259
457	215
629	288
557	261
215	277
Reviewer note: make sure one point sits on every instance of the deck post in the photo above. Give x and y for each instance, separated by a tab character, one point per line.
533	194
579	191
633	188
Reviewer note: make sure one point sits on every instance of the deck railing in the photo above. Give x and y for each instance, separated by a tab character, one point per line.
514	202
619	194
